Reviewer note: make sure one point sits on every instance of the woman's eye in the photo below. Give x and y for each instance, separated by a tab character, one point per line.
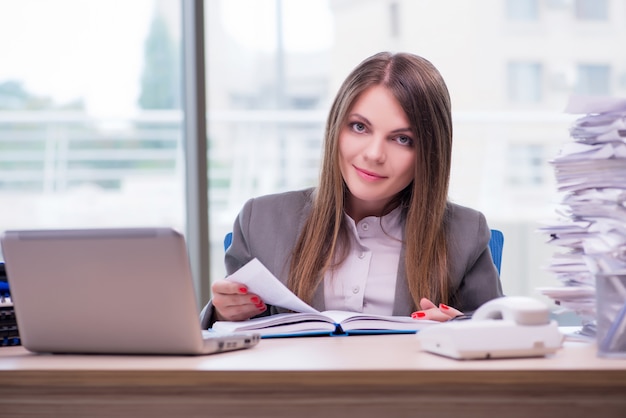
358	127
404	140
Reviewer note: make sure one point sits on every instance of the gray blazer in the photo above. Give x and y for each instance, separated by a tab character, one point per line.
268	227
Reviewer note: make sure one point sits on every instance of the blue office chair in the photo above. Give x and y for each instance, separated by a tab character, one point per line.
495	246
228	239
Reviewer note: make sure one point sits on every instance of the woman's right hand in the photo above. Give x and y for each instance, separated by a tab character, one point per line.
232	302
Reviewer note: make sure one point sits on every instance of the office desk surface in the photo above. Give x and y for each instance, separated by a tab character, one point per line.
325	376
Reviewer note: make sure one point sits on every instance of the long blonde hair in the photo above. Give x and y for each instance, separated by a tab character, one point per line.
422	93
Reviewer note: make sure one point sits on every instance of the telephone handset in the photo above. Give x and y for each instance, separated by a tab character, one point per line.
518	309
510	326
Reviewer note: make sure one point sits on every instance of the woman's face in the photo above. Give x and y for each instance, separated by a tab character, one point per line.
376	152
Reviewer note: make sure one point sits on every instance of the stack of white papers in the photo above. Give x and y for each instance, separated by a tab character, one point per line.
591	229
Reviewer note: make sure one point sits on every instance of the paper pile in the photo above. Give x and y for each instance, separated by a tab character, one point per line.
591	175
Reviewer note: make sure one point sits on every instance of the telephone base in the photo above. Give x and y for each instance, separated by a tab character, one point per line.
487	339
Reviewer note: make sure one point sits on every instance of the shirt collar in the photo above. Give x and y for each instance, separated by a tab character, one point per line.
391	223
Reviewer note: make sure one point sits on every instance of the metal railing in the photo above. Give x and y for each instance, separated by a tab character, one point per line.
43	152
69	169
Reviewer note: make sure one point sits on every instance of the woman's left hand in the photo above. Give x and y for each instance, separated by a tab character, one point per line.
433	312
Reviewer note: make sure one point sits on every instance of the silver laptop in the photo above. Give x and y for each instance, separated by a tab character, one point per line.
108	291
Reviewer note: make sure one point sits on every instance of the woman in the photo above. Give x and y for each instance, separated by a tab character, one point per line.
378	234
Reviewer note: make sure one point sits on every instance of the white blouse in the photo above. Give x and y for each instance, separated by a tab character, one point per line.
366	280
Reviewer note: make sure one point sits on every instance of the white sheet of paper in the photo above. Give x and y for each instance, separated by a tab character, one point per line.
261	281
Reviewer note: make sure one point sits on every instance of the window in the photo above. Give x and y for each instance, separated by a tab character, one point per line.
508	123
593	79
524	82
592	9
522	10
90	118
90	114
525	165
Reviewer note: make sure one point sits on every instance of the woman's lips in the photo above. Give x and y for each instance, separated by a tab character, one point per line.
368	175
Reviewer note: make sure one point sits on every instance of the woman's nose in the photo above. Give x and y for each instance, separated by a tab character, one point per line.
375	150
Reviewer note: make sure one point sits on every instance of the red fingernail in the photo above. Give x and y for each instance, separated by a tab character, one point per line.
262	307
255	300
415	315
442	306
243	290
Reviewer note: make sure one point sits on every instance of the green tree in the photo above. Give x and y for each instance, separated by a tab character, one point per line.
160	80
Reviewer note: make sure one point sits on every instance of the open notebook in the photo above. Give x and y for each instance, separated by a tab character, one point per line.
304	319
108	291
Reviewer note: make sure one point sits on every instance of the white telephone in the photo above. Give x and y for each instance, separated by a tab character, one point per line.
511	326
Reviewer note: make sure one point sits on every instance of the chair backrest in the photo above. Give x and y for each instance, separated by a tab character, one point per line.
495	245
228	239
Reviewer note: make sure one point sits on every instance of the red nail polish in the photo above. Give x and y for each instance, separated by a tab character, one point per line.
442	306
243	290
416	315
255	300
261	307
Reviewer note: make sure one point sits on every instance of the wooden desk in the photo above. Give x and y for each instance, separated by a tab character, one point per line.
378	376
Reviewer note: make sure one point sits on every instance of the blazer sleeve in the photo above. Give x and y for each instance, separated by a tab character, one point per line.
237	255
474	276
266	228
